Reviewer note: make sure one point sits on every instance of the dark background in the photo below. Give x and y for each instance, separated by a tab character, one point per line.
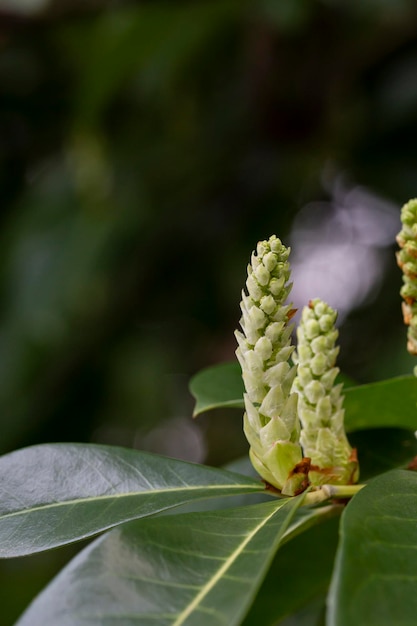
145	147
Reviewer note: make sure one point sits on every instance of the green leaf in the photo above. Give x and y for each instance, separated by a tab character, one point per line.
299	573
217	387
199	569
375	577
383	449
54	494
312	614
387	403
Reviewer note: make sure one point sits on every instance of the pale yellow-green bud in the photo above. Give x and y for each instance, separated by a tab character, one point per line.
407	260
271	423
320	402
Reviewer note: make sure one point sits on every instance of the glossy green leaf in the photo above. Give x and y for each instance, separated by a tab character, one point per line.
55	494
383	449
217	387
199	569
300	572
388	403
375	577
311	614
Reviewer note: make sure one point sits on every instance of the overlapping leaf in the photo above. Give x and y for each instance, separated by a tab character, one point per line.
375	577
218	386
387	403
54	494
198	569
383	449
300	573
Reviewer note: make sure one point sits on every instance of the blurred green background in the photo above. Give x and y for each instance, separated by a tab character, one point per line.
145	147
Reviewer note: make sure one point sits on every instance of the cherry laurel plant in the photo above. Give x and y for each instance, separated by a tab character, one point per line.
286	535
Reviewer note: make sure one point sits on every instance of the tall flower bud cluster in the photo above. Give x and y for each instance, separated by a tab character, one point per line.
407	260
320	403
271	423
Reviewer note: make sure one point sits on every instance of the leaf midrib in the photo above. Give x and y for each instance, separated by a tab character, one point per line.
205	590
88	500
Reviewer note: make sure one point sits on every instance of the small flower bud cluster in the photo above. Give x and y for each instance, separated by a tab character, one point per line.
271	423
320	401
407	260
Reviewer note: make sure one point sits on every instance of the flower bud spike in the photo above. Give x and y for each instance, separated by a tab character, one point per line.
271	423
320	401
407	261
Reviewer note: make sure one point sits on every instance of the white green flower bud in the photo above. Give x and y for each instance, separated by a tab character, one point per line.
314	391
407	260
271	423
320	403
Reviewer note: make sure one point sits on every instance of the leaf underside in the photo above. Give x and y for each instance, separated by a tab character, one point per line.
198	569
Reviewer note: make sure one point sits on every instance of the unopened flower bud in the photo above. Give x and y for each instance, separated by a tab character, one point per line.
276	285
256	318
271	423
326	322
262	275
304	353
314	391
319	364
319	344
304	374
263	347
273	331
407	260
270	260
268	304
320	402
312	328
